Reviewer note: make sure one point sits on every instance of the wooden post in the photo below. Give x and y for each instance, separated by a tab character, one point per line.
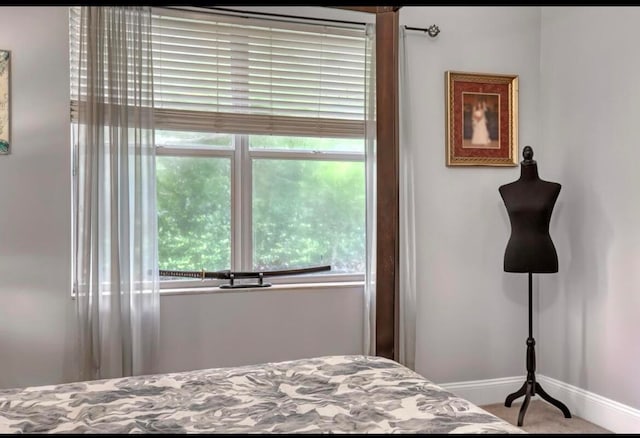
387	172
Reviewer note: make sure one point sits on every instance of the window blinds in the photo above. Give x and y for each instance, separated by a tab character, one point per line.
232	74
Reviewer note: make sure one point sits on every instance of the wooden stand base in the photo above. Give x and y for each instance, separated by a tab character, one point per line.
531	387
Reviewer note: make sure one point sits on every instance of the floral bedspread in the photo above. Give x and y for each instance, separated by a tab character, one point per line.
332	394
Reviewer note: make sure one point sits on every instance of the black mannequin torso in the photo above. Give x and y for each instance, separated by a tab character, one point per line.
529	202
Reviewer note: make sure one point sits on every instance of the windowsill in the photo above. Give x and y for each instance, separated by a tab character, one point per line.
275	287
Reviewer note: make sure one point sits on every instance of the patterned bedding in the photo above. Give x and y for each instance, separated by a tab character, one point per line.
337	394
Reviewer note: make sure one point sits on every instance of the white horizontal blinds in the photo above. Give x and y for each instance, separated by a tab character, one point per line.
233	74
218	73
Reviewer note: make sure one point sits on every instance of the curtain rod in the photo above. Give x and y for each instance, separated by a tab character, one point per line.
214	10
432	30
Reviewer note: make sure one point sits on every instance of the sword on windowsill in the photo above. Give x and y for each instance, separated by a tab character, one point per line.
234	275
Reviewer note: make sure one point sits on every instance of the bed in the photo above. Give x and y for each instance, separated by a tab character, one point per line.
331	394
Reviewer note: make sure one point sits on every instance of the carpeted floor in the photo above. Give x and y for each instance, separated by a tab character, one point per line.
541	417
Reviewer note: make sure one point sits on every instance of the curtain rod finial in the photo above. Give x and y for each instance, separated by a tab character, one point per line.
433	30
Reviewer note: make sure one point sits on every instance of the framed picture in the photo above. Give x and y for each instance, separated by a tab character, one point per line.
5	91
482	119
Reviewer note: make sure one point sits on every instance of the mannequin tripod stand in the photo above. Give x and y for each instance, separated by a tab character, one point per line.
531	387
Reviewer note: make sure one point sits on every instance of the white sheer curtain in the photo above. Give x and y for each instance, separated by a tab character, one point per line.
370	172
407	268
116	275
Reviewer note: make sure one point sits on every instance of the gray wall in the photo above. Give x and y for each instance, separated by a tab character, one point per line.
589	312
472	317
248	327
35	307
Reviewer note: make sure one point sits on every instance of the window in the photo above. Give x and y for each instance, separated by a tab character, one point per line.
260	143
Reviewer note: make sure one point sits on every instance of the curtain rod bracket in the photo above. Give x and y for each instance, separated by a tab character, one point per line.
432	30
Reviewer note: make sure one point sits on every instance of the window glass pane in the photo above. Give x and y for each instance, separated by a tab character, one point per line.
194	213
176	139
308	213
306	143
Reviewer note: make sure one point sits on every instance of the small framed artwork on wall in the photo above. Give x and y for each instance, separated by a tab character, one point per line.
5	95
481	119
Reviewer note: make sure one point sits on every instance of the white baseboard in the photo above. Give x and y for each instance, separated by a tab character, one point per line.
485	392
604	412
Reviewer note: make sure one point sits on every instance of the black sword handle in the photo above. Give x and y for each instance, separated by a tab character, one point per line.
224	275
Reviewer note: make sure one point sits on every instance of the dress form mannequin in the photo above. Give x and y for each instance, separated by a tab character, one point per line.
529	202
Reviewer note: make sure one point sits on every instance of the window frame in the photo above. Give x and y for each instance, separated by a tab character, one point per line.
241	161
242	157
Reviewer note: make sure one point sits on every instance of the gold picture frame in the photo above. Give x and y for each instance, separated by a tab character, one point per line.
5	102
481	119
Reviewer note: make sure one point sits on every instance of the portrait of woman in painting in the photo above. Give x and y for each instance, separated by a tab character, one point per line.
480	121
479	127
